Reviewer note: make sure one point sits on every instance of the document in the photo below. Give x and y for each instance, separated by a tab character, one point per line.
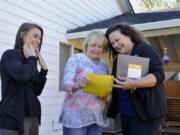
100	85
132	66
134	71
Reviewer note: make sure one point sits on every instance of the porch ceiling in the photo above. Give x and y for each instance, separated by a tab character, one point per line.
172	43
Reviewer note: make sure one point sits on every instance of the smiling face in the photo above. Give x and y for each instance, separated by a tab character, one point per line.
95	51
121	43
33	38
95	44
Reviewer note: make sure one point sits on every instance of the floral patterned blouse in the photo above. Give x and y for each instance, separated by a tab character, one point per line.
81	109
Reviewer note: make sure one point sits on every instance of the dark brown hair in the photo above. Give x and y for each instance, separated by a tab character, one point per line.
24	28
127	30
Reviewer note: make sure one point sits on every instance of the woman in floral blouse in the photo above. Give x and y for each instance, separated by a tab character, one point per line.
82	112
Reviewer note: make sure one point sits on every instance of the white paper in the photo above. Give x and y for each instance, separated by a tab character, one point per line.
134	71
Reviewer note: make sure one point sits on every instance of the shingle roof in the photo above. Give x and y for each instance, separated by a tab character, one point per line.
131	19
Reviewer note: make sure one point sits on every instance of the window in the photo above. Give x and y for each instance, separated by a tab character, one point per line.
77	50
172	75
65	52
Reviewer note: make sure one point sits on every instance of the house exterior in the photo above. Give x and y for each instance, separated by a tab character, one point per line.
160	28
55	17
61	21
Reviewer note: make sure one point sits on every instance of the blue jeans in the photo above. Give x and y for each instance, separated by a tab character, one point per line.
88	130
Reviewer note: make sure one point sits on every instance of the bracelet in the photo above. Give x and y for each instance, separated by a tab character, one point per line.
135	86
133	89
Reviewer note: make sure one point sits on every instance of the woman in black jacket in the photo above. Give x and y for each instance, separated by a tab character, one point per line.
22	83
141	102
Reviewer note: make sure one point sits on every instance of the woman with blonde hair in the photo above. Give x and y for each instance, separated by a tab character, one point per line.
82	112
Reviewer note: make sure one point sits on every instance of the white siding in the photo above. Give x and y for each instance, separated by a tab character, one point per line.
56	17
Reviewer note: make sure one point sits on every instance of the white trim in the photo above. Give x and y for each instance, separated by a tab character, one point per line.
82	34
141	27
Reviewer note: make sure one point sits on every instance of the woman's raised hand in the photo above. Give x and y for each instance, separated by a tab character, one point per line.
41	60
28	51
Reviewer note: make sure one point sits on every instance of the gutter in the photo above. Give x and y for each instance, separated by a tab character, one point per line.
142	27
129	5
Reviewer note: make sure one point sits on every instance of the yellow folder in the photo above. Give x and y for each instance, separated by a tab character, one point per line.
99	85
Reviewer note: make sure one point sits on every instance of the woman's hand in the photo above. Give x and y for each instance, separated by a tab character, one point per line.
28	51
81	84
130	84
41	60
105	98
125	83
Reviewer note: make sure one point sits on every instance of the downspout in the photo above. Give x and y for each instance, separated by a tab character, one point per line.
128	3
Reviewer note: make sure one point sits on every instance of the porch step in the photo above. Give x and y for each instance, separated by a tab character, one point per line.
171	131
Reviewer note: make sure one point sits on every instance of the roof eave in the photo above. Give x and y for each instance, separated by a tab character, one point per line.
142	27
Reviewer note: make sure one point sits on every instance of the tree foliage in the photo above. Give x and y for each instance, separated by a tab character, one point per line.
159	4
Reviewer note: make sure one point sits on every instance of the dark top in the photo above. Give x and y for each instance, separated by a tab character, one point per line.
148	103
21	83
125	105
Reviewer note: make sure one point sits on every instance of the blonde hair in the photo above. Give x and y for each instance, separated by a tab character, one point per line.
95	37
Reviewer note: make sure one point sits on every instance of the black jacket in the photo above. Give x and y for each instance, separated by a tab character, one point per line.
148	103
19	79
